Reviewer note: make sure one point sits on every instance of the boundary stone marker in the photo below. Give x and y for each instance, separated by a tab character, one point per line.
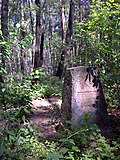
83	100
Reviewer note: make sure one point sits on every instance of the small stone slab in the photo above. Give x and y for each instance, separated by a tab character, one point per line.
83	99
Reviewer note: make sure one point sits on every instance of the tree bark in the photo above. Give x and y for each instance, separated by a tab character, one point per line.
22	36
65	53
4	28
63	19
42	35
70	23
32	30
37	34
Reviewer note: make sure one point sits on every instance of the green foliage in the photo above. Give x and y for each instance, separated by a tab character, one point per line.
20	142
86	142
76	144
99	148
5	45
16	143
17	94
98	37
45	85
16	98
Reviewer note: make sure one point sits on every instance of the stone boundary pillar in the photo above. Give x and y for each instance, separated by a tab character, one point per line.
83	99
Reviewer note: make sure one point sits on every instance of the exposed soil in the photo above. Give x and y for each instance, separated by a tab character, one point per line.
46	115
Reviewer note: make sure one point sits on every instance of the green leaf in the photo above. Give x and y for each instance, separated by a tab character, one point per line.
37	72
3	90
36	76
75	148
2	148
23	118
71	141
64	150
3	43
54	156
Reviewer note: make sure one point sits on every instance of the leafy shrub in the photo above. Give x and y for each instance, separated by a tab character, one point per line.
83	143
19	142
22	144
17	94
46	85
98	36
86	142
16	101
99	148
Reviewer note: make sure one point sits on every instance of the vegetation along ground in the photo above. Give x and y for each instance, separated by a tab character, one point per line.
39	39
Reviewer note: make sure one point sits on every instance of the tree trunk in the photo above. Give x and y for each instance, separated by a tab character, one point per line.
4	28
63	19
37	34
65	53
32	30
22	36
70	23
42	35
4	37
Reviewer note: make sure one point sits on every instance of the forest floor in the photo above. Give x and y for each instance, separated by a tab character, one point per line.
46	116
47	113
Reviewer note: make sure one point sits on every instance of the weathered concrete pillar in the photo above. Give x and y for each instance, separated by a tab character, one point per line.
83	99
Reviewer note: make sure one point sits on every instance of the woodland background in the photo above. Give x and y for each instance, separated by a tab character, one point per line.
38	41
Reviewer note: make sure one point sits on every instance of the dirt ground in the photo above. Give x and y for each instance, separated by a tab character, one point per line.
46	115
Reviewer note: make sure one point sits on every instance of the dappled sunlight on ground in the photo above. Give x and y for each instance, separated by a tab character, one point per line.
46	114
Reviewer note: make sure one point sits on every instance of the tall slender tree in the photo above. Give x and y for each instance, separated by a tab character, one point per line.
65	52
42	34
4	27
31	28
37	35
22	36
63	19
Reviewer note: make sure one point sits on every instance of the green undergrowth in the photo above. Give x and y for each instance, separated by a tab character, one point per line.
44	85
19	140
82	143
16	96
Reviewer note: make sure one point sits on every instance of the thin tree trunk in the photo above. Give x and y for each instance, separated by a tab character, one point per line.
37	34
63	19
22	36
32	30
4	28
50	37
42	35
70	23
80	12
65	53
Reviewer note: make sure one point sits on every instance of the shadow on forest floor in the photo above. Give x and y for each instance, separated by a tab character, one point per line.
114	116
46	115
